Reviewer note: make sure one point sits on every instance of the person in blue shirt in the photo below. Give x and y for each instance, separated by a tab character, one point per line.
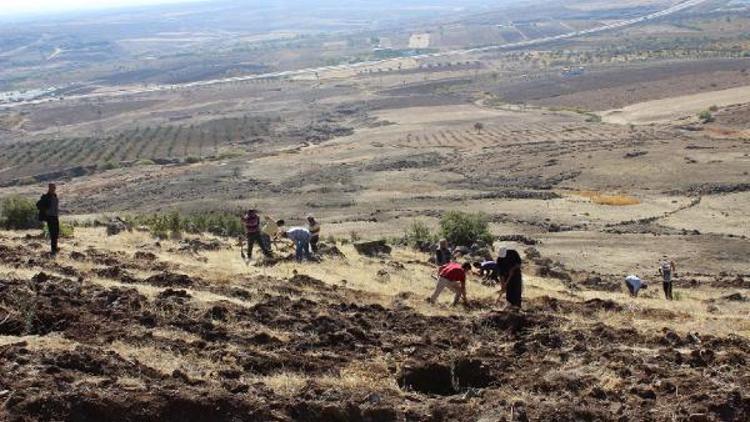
301	238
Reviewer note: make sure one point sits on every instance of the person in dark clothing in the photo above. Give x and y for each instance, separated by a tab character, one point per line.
314	227
251	220
509	270
443	255
667	269
49	212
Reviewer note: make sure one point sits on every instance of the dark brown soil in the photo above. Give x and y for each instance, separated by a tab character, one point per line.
504	365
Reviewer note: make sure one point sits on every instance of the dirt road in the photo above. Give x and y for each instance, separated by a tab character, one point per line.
676	108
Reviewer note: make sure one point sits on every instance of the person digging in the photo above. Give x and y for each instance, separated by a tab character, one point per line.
453	276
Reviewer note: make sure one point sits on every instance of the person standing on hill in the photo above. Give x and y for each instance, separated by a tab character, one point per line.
49	211
251	220
667	269
443	255
314	227
453	276
509	270
634	285
301	238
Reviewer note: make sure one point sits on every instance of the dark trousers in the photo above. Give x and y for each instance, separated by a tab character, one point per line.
53	226
668	290
513	291
631	289
314	239
252	239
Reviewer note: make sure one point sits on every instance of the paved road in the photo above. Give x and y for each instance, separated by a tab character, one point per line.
289	73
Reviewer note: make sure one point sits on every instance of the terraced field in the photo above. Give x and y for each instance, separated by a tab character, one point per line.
25	159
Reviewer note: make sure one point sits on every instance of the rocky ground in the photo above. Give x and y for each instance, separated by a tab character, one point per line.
140	334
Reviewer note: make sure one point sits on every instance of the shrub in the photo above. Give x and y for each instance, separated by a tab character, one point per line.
19	213
465	229
706	117
191	159
354	236
419	235
163	226
66	230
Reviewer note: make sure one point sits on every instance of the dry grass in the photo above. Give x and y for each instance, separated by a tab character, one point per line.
612	200
371	376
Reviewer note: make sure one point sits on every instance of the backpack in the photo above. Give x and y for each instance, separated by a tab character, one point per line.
42	206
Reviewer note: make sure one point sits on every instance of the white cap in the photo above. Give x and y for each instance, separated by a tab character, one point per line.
503	252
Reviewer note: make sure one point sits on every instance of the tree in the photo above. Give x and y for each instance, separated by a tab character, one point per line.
478	127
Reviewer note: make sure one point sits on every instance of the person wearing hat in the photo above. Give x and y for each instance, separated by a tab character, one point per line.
509	269
666	269
634	284
251	221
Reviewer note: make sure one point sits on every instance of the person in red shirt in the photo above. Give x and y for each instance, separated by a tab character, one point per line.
453	276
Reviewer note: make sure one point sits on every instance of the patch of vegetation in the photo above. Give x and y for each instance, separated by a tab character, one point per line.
66	230
706	116
19	213
612	200
465	229
419	235
174	224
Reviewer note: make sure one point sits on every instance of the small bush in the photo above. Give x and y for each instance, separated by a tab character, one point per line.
465	229
163	226
145	162
419	235
354	236
191	159
19	213
706	117
67	231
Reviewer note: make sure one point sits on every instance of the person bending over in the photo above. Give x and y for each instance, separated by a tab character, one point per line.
453	276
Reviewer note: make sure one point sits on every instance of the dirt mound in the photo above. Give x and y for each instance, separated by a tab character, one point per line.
330	251
168	279
373	249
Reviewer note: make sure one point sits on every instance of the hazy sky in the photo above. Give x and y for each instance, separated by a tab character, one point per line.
22	7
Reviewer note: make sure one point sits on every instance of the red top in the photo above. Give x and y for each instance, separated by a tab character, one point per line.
252	223
453	271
